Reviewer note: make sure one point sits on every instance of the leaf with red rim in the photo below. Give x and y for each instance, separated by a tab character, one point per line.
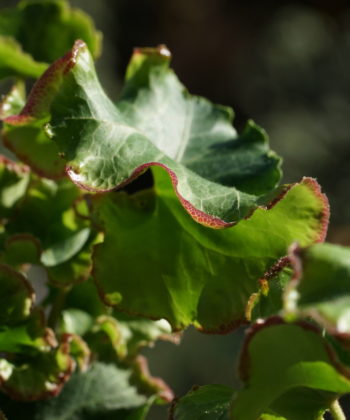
220	177
38	376
16	296
288	370
157	262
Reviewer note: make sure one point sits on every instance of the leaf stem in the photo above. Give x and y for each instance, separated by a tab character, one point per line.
57	307
336	411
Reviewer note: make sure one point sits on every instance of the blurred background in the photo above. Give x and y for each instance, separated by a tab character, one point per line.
285	64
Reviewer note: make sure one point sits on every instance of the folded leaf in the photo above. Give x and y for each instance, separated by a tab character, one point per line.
157	262
209	402
289	371
219	177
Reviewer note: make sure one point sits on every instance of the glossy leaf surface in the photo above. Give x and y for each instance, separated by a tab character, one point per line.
157	262
289	371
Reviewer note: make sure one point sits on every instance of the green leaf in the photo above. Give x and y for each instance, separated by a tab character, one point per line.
21	249
102	392
15	62
47	212
16	296
47	29
289	371
209	402
28	337
14	101
321	286
157	262
75	321
35	377
14	179
106	146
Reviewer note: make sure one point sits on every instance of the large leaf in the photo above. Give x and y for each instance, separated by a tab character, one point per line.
157	262
209	402
321	286
289	371
46	29
219	177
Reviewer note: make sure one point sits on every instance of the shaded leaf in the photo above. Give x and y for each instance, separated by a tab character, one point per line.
156	262
209	402
35	377
101	392
16	296
16	62
321	286
21	249
28	337
288	370
47	29
14	179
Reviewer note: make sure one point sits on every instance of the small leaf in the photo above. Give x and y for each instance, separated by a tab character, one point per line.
79	350
321	286
14	180
209	402
14	101
28	337
16	62
75	321
103	391
47	29
288	370
16	296
21	249
38	376
157	262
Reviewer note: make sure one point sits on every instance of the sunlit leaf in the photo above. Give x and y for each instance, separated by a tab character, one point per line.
157	262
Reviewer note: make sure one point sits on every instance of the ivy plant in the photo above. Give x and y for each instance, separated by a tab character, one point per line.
215	242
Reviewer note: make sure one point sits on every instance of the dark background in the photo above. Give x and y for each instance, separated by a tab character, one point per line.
285	64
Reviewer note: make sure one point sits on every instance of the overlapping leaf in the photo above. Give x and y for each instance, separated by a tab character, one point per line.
157	262
211	402
321	286
40	31
219	177
289	371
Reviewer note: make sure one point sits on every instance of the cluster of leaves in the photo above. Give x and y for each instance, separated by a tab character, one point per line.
209	244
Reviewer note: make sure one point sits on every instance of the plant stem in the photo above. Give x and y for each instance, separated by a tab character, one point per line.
57	307
337	411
